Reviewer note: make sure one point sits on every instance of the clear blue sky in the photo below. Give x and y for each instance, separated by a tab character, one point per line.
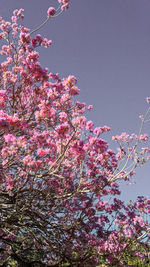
106	45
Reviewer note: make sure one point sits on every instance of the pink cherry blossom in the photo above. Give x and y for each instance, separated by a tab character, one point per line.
51	11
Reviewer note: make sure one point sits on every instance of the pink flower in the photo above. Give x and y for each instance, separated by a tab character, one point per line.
9	185
90	107
138	220
25	38
143	137
27	160
141	117
32	57
63	117
9	138
15	12
51	11
63	1
41	152
14	18
105	129
37	40
62	129
64	7
46	43
79	121
89	125
74	90
97	131
148	100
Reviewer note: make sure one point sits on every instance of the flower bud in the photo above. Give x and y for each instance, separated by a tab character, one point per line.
51	11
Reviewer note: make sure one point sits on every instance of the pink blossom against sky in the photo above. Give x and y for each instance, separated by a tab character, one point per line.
106	45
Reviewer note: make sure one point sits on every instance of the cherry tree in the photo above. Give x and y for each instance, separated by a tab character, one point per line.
59	180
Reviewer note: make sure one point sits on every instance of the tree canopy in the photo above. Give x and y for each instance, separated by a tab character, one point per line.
59	180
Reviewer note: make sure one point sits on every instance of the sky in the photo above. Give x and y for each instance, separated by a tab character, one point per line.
106	45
